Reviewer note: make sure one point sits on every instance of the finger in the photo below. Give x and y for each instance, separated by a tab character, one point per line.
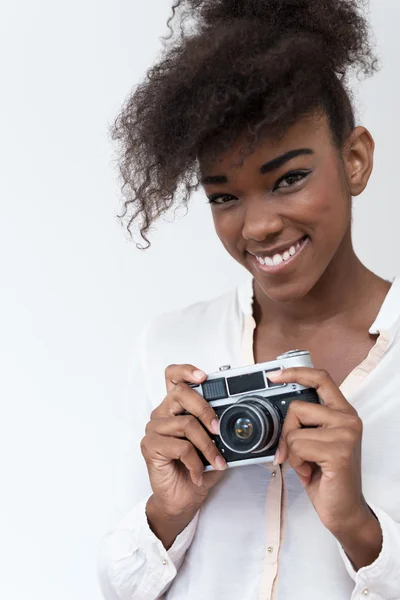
320	380
304	470
310	451
337	435
182	398
159	451
305	446
336	447
180	373
303	414
187	426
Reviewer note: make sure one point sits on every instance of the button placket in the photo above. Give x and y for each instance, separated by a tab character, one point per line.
273	529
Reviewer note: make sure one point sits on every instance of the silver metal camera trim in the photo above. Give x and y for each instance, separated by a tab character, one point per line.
293	358
245	461
271	411
292	354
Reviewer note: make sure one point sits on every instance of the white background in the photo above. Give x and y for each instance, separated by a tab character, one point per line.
75	293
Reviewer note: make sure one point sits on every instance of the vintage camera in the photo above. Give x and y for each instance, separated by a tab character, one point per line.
251	408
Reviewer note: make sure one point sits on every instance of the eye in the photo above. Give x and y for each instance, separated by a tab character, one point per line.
290	179
220	199
287	181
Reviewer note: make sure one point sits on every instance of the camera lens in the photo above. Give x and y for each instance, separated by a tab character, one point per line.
250	425
243	428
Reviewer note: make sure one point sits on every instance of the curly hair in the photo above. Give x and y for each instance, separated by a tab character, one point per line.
243	67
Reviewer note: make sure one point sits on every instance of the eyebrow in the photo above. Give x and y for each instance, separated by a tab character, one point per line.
272	165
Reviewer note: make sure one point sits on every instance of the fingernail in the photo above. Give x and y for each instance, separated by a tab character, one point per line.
274	374
215	426
200	481
221	464
198	374
276	458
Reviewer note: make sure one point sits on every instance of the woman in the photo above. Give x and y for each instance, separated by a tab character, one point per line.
253	102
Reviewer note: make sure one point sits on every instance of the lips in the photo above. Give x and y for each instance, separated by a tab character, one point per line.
279	254
275	260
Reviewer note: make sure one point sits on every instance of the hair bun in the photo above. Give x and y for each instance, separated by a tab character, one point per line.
252	67
339	24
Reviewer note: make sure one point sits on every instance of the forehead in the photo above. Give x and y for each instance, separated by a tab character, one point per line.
311	132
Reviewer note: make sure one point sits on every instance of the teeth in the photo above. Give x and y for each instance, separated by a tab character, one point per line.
280	258
277	260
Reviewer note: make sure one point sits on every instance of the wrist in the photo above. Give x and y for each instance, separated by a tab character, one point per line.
173	513
361	538
166	526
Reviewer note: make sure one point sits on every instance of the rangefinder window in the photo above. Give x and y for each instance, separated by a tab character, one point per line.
246	383
214	389
270	383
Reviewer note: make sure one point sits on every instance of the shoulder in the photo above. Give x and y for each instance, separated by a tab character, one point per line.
184	325
204	334
388	319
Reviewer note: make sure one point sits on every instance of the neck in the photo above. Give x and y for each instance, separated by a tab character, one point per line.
335	297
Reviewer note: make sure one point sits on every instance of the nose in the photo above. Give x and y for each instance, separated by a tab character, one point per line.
261	221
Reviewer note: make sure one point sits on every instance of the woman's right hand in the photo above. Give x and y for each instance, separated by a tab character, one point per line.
176	471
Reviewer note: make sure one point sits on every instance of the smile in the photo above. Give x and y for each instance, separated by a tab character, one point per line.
279	260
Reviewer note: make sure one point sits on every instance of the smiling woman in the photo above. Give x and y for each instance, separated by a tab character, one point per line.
252	104
242	69
292	212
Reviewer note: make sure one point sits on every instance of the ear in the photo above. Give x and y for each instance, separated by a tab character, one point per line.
358	157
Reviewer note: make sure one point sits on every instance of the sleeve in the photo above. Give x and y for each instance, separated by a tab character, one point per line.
132	563
381	579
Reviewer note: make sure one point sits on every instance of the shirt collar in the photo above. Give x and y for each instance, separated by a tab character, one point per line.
388	316
389	312
245	296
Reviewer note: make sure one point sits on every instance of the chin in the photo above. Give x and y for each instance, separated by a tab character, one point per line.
291	290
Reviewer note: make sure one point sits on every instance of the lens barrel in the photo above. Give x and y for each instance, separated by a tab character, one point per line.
251	425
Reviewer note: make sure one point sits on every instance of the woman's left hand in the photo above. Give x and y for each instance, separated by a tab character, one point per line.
323	445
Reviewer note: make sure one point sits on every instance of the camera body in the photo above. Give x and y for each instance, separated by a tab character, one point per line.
251	408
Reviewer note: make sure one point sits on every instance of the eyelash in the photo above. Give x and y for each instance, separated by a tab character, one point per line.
302	174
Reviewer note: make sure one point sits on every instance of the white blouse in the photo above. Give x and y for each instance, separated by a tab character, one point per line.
257	536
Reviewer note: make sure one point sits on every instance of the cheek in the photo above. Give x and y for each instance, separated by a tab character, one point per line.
331	204
228	228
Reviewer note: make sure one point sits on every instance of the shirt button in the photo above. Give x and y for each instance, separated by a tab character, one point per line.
164	562
273	474
365	592
270	549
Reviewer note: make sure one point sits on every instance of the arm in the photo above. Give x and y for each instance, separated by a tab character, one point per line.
133	563
164	526
361	540
379	579
141	557
323	445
